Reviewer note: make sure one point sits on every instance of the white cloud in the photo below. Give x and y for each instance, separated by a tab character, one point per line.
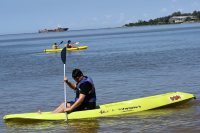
128	21
108	16
95	19
180	10
50	22
145	15
163	10
133	19
120	18
174	0
195	4
73	25
104	22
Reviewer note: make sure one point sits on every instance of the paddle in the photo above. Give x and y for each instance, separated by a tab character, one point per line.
76	43
60	43
57	46
63	57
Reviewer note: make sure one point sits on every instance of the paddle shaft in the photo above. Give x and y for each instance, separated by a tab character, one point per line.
65	95
60	43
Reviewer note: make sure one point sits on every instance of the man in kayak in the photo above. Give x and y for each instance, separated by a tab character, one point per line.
85	94
69	45
55	46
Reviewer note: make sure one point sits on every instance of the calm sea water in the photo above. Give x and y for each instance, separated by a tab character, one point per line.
124	63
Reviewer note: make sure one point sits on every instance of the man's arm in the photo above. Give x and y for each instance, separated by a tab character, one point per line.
76	104
70	84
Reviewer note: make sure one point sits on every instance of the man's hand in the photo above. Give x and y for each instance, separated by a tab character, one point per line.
67	109
65	80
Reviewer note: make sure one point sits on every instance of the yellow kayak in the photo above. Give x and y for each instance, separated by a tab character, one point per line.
118	108
68	49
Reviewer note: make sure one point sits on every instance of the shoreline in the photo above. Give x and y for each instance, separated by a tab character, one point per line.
163	24
107	28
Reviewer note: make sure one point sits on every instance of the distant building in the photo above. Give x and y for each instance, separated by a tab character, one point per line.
180	19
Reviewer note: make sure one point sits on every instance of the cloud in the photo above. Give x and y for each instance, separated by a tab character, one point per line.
180	10
195	4
132	19
104	22
120	18
128	21
108	16
174	0
95	19
145	15
163	10
50	22
73	25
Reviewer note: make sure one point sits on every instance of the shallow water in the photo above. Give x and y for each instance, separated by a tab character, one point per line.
124	63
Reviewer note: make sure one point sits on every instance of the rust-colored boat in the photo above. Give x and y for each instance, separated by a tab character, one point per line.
54	30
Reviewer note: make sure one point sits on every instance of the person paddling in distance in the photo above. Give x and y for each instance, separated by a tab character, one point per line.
85	94
55	46
69	45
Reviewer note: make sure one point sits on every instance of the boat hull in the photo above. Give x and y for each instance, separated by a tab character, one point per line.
119	108
54	30
67	49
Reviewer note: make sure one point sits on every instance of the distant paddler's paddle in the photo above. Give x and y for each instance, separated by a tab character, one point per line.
63	57
73	44
60	43
77	43
56	46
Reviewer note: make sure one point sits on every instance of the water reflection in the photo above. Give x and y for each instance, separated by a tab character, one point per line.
75	52
86	125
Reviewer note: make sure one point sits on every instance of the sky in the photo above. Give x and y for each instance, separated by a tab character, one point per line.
28	16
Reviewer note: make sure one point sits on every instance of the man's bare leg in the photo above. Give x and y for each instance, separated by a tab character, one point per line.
60	109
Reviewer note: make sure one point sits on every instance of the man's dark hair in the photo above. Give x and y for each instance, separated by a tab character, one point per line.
76	73
69	41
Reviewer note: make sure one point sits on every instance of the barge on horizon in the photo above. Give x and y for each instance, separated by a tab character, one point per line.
54	30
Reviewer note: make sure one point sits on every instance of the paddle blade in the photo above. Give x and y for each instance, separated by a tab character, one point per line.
77	43
63	55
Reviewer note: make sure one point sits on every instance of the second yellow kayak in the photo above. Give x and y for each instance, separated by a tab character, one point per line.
68	49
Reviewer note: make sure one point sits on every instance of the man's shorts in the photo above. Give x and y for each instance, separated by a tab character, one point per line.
83	106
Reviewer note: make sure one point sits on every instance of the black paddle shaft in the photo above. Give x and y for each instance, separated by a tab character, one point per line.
60	43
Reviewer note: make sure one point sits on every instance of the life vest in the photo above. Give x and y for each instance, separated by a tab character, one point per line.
54	47
68	45
91	96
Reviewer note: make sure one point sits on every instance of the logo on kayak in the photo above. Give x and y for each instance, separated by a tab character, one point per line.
120	109
103	111
129	108
176	97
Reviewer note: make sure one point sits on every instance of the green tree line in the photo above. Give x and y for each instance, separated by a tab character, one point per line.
164	20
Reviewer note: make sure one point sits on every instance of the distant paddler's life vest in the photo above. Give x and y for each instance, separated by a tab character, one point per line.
91	96
54	47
